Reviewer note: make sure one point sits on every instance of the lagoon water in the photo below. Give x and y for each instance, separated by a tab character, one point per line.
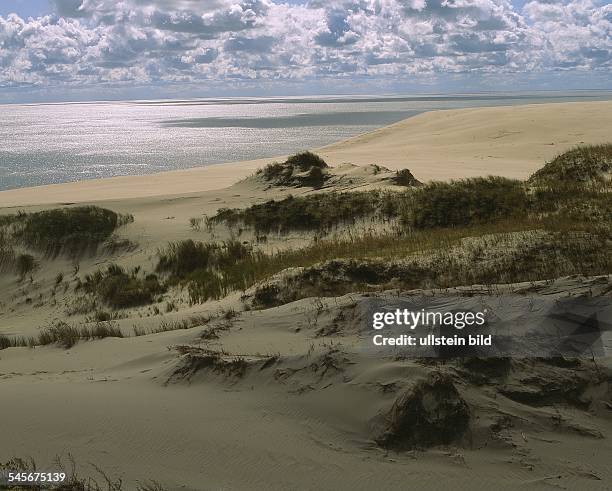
53	143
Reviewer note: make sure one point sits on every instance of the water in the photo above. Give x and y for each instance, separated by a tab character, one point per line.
53	143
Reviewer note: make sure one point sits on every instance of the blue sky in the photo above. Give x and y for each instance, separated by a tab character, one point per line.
99	49
27	8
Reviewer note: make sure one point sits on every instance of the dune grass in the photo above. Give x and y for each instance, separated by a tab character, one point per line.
118	289
217	279
299	170
66	230
581	164
66	336
176	325
63	334
466	201
209	270
320	212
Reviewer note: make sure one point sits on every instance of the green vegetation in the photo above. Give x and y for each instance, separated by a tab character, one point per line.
70	230
210	270
299	170
465	202
321	212
118	289
405	178
591	163
484	230
305	161
24	264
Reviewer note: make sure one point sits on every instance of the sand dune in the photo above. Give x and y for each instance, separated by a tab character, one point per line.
508	141
291	399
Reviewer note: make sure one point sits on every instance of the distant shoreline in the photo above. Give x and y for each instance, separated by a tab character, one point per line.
325	98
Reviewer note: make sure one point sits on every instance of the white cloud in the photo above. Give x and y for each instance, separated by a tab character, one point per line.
88	42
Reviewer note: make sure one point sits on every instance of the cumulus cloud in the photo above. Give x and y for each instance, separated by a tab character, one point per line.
89	42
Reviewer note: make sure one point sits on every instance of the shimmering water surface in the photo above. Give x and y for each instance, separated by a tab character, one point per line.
51	143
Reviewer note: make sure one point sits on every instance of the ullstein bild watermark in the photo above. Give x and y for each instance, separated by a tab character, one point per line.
488	326
429	319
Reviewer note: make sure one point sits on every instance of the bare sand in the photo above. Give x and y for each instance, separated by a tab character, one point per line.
509	141
304	420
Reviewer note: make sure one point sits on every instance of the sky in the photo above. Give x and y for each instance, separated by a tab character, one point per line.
56	50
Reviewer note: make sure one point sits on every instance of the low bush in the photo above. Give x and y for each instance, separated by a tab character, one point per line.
305	161
119	290
209	270
405	178
592	163
302	169
24	264
70	230
466	202
321	212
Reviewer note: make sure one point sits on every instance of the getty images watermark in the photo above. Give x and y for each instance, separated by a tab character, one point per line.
412	320
488	326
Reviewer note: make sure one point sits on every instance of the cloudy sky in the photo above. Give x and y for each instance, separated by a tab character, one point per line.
108	49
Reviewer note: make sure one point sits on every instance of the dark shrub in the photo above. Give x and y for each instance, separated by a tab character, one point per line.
72	230
276	171
5	343
405	178
210	271
266	296
305	160
320	212
465	202
302	169
181	258
119	290
25	263
431	412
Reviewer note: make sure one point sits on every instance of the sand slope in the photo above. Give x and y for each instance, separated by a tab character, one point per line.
508	141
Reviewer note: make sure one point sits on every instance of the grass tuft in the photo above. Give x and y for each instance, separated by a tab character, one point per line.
299	170
118	289
592	163
69	230
467	201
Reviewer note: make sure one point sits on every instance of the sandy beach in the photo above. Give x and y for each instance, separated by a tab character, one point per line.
288	399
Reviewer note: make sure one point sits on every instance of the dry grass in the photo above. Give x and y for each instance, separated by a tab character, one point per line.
64	335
